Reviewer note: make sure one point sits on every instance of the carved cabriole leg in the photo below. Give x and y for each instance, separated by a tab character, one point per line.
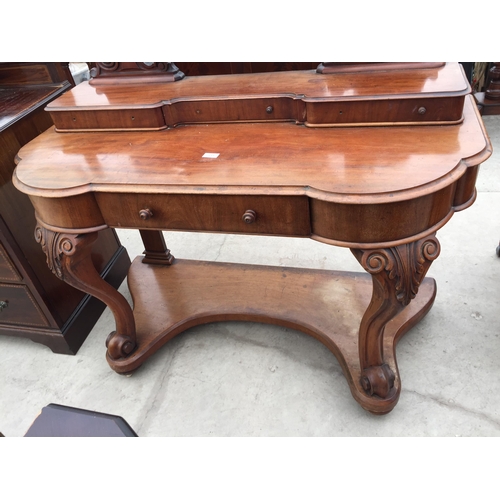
155	248
69	258
397	273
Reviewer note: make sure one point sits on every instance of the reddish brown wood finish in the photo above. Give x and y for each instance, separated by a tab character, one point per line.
350	67
155	248
69	258
409	96
169	300
397	274
383	192
276	215
344	194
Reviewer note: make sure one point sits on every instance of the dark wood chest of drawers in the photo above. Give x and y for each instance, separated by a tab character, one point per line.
33	302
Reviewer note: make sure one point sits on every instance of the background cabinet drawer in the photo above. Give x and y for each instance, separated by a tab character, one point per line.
19	307
8	271
274	215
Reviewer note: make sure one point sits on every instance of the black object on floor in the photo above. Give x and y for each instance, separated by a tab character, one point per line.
65	421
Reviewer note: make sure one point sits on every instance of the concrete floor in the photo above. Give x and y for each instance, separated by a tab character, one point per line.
245	379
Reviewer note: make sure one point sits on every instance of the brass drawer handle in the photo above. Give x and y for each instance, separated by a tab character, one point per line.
145	214
249	217
3	304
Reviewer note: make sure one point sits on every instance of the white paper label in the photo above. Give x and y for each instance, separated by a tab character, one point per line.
211	155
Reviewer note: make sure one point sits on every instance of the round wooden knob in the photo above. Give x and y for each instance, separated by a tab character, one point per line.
145	214
249	217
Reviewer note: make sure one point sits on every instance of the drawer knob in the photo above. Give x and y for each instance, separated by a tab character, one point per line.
422	110
269	109
249	217
145	214
3	304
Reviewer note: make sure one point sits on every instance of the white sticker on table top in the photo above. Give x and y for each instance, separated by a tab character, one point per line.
211	155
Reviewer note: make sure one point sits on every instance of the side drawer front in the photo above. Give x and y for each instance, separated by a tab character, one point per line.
389	111
115	119
273	215
20	308
8	271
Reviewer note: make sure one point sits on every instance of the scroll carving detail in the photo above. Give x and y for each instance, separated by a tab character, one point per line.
407	264
55	245
116	72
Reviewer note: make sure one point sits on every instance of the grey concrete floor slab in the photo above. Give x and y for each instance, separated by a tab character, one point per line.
248	379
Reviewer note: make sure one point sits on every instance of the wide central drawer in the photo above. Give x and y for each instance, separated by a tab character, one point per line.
229	110
259	214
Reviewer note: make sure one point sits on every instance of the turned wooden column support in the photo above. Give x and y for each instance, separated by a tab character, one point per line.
69	258
397	273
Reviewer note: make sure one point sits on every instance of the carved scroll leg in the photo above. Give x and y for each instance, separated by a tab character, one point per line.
69	258
155	248
396	273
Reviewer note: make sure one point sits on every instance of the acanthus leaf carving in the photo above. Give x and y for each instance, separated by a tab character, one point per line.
407	264
106	72
55	245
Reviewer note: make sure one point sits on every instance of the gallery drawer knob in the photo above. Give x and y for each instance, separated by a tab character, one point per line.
422	110
269	109
3	304
145	214
249	217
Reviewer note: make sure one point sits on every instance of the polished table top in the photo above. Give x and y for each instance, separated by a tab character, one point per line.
353	165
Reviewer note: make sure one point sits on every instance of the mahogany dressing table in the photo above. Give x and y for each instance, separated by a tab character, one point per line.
372	157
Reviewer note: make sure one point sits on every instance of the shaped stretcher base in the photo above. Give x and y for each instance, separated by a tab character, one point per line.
327	305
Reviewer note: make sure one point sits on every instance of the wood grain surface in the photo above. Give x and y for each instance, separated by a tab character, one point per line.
170	299
307	83
352	165
416	96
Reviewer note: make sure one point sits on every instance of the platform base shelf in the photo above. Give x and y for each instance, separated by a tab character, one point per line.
328	305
